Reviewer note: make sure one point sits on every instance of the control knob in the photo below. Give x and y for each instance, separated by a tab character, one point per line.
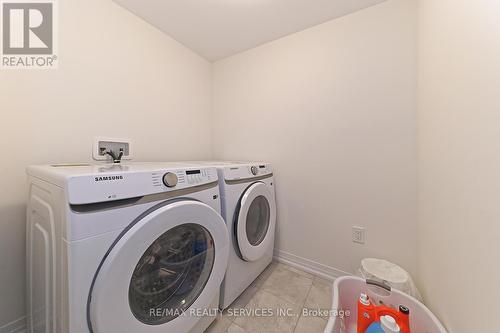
254	170
170	179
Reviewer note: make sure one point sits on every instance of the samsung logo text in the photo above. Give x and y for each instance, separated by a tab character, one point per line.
108	178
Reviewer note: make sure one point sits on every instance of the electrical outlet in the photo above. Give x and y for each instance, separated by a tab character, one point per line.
101	145
358	235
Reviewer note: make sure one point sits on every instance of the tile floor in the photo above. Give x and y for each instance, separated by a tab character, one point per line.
279	287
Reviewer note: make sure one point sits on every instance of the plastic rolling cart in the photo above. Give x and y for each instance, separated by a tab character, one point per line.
346	292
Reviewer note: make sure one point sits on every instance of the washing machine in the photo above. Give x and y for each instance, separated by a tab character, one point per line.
137	248
249	209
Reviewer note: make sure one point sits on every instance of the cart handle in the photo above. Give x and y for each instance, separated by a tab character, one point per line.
382	285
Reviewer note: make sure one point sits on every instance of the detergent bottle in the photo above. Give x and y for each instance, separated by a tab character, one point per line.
366	313
381	318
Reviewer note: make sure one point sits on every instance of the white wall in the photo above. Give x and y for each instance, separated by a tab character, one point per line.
334	109
117	76
459	161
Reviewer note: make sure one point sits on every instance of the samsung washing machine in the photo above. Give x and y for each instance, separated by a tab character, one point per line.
249	209
124	248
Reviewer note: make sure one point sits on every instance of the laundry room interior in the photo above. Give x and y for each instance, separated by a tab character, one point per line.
366	130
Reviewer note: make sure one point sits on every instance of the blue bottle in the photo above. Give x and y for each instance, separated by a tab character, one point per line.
375	328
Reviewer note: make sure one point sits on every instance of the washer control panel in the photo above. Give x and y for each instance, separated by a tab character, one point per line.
95	184
179	179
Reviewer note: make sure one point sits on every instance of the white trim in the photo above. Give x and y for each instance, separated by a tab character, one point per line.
310	266
17	326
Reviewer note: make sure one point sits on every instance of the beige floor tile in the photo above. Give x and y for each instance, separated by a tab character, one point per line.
298	271
310	325
235	329
324	281
320	296
255	323
262	278
280	286
245	297
252	289
220	325
288	285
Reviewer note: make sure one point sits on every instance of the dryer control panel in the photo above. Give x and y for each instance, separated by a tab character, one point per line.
247	171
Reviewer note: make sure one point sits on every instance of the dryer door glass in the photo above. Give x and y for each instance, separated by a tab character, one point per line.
257	222
254	225
171	274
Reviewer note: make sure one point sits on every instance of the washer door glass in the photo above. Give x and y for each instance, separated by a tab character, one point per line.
171	274
257	222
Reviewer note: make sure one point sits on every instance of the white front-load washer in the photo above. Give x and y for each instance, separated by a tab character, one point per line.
124	248
249	209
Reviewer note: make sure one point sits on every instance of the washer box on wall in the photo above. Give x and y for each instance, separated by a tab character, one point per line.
102	144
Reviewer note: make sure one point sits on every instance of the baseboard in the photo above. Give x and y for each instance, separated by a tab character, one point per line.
17	326
310	266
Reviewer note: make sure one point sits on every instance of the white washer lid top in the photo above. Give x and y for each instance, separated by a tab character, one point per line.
385	270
